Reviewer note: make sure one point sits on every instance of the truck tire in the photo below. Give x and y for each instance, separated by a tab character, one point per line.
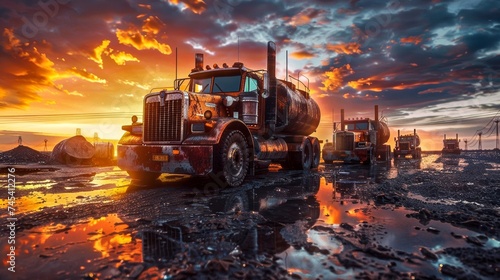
316	155
144	176
371	157
305	157
300	160
231	158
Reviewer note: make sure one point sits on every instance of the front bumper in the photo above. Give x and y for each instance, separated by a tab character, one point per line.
191	160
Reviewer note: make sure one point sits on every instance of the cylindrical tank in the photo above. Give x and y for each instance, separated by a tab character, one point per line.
296	113
104	151
271	149
383	133
73	150
417	140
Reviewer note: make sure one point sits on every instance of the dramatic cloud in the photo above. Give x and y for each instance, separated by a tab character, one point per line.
348	48
196	6
98	52
135	38
335	78
122	57
83	74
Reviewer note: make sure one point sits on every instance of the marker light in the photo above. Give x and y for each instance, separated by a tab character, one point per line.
208	114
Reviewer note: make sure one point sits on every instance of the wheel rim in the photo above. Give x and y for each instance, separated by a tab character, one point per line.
235	159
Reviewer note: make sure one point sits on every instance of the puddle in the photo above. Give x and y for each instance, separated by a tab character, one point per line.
56	250
67	189
311	223
341	203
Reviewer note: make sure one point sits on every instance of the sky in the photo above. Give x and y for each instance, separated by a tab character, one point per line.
429	65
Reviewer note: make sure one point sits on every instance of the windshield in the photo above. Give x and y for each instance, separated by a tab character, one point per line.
226	84
357	126
202	85
219	84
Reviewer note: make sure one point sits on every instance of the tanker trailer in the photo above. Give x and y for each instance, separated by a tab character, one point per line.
407	145
224	122
359	140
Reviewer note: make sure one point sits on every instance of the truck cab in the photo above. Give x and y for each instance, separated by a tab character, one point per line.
451	145
407	146
359	140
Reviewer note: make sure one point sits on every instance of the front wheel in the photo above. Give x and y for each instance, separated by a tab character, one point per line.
371	157
232	158
143	176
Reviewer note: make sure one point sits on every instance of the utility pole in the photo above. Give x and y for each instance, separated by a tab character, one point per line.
480	145
496	122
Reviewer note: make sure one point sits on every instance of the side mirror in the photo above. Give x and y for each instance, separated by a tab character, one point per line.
265	91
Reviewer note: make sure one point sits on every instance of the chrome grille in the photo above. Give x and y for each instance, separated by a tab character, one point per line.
344	142
163	123
404	146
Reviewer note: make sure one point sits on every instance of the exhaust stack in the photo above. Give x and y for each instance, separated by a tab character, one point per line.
271	101
198	61
415	137
342	124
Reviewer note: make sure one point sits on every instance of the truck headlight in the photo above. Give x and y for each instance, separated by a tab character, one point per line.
207	114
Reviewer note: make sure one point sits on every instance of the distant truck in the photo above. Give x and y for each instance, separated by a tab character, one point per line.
451	145
407	145
327	153
360	140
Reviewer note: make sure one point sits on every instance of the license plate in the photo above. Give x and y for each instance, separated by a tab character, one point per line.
160	157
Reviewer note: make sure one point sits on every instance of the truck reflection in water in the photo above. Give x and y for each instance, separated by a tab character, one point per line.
407	163
263	216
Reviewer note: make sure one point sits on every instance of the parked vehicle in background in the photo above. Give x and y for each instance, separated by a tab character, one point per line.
451	145
359	140
407	146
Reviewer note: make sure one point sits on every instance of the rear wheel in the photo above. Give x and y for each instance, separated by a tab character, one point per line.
316	153
302	159
305	157
232	158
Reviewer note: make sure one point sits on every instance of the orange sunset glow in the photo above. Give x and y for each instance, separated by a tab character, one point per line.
433	67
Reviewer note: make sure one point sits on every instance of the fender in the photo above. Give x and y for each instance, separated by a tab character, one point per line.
130	139
214	135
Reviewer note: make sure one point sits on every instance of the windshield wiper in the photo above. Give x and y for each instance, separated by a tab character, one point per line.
203	89
219	88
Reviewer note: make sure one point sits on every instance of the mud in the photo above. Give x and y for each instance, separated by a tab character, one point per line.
437	218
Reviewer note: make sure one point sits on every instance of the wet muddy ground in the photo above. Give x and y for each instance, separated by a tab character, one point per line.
437	218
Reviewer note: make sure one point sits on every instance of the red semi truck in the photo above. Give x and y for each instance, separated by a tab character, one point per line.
359	140
407	145
223	121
